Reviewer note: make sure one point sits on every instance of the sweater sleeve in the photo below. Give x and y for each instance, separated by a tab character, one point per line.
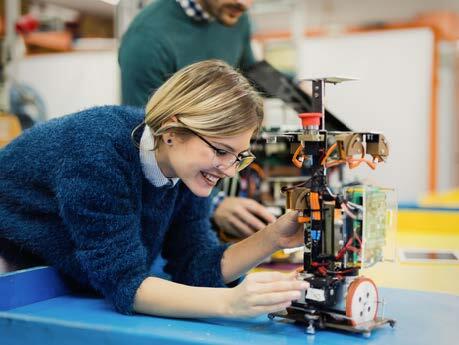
146	62
100	212
191	248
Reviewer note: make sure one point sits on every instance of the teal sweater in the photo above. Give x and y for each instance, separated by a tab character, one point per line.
162	39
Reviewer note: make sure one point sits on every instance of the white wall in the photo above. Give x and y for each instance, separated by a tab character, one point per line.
271	15
392	96
70	82
447	130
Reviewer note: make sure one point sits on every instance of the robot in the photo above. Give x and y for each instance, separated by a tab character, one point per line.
344	232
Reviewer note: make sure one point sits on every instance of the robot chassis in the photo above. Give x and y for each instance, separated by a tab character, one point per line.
338	297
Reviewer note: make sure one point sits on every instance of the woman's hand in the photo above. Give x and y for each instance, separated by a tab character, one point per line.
263	293
286	232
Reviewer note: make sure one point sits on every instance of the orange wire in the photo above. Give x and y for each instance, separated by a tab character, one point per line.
258	169
334	163
355	162
298	163
352	163
329	152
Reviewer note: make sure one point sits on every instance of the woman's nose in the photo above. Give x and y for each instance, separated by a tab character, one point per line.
229	171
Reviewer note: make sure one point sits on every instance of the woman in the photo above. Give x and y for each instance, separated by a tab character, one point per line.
100	201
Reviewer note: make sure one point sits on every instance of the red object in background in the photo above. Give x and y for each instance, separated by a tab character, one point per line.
310	119
26	24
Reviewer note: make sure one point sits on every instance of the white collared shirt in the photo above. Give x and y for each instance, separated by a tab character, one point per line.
194	10
150	167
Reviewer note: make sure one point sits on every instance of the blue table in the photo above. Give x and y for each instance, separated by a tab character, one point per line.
53	316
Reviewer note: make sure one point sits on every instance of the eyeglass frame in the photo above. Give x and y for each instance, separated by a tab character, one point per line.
238	158
216	149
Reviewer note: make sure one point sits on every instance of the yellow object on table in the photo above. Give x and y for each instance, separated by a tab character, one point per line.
428	231
448	199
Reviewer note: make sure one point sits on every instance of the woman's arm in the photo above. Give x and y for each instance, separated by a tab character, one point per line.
239	258
259	293
161	297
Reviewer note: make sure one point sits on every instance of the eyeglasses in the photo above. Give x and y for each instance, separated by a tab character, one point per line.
226	159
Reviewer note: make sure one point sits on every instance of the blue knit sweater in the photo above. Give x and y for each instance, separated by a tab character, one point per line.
73	193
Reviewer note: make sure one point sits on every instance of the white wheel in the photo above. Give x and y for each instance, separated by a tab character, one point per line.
362	301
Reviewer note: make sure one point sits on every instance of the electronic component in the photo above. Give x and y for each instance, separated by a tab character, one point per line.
333	255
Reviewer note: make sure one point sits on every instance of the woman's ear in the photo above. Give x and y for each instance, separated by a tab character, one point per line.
172	119
168	138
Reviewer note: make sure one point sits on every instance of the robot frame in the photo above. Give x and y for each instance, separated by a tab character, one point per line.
338	297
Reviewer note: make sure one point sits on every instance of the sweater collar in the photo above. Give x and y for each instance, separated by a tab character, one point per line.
149	164
195	11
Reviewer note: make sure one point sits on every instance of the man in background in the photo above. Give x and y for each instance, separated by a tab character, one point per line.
170	34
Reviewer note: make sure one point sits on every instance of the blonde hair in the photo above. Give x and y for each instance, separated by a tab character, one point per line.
207	97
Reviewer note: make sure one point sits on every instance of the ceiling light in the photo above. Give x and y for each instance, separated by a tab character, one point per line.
111	2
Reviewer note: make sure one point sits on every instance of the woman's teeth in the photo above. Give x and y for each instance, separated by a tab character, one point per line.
210	178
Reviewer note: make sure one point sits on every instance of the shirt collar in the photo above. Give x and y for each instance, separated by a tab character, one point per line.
194	10
149	164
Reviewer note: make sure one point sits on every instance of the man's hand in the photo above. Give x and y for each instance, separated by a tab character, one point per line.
241	217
